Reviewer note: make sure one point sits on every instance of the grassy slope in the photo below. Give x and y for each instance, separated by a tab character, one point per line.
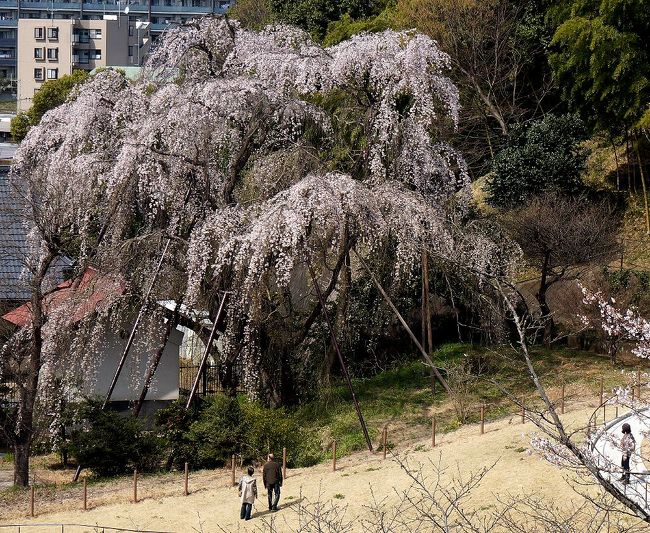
402	397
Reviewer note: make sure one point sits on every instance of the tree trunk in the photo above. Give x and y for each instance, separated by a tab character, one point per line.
27	396
340	319
545	310
21	462
643	185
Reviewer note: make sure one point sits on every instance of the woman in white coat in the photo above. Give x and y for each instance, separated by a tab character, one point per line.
247	493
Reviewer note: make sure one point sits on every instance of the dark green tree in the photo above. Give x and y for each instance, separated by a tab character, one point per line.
541	157
601	60
315	15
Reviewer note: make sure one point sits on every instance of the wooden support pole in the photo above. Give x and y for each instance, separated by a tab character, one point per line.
344	367
563	396
129	342
284	463
482	419
390	303
232	471
187	475
85	494
616	412
135	486
632	392
523	411
433	432
32	496
638	383
384	441
334	456
206	352
604	413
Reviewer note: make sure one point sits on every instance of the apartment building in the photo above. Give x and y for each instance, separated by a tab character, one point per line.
49	49
158	13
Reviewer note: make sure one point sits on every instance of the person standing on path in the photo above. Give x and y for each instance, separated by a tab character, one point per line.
272	478
627	446
247	493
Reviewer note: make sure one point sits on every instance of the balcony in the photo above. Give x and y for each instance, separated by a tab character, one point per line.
9	23
7	62
8	3
8	43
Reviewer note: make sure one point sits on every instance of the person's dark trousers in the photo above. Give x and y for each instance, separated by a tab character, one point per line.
246	509
625	463
274	496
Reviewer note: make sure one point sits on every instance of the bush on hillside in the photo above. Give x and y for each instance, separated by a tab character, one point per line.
543	157
111	444
222	427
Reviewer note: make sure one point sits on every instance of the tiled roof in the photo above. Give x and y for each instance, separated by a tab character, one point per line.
92	293
13	281
14	276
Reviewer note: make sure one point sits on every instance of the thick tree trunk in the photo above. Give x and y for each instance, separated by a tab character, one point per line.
27	396
21	462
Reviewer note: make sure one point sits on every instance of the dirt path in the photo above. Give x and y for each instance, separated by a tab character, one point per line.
213	506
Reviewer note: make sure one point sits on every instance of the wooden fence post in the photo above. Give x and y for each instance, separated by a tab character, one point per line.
616	412
523	411
135	486
232	471
433	432
602	390
482	419
604	413
334	456
562	404
187	473
31	500
384	440
284	463
85	494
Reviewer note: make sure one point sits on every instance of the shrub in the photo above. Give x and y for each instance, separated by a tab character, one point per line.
111	444
543	157
222	427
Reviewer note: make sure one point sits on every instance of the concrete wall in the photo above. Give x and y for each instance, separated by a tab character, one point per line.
129	385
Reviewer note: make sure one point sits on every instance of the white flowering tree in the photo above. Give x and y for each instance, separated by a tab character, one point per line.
230	148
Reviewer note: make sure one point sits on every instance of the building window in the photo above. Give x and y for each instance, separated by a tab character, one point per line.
130	31
95	54
52	73
53	34
80	36
53	54
38	74
95	34
39	33
130	51
39	53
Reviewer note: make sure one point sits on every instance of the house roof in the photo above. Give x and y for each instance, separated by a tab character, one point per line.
13	236
91	293
14	252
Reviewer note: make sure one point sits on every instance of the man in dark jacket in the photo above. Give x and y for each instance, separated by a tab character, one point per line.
272	478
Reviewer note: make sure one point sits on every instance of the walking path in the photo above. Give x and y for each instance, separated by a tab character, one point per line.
608	454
